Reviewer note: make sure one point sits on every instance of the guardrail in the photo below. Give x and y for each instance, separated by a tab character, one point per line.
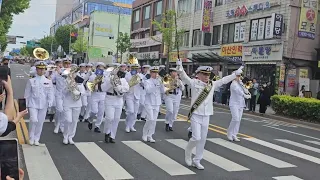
21	127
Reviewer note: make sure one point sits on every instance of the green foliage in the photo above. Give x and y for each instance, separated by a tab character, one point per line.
123	43
30	50
63	36
9	8
81	44
24	51
46	43
297	107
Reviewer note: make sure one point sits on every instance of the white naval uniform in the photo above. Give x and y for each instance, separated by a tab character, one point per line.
39	96
153	88
97	103
200	117
113	105
142	110
71	111
88	93
172	100
51	77
59	119
84	76
236	104
132	103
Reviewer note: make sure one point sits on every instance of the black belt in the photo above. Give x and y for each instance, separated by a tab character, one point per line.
54	83
113	94
175	93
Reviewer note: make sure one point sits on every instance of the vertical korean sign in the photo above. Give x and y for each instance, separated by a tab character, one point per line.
206	14
308	19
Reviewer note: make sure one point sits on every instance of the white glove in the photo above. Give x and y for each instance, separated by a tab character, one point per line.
118	88
76	92
247	96
239	71
179	65
49	104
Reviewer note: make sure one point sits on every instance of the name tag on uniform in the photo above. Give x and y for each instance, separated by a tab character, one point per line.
46	83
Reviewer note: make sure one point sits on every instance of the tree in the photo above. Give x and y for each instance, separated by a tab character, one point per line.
123	43
171	36
9	8
81	44
49	43
24	51
63	36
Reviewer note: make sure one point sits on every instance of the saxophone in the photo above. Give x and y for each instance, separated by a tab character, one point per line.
72	86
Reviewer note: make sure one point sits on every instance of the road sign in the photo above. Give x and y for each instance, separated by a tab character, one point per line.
33	44
11	39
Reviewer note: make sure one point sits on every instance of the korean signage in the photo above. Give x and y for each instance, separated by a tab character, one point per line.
264	52
267	28
245	10
183	55
146	42
303	73
231	50
277	25
308	19
147	55
104	30
206	14
239	31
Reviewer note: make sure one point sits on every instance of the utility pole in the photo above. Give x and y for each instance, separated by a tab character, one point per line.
118	35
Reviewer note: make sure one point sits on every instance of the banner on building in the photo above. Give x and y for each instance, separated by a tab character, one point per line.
206	15
233	50
104	30
278	23
308	19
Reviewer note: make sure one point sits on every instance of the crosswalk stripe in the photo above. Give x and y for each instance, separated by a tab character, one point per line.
121	120
299	145
211	157
253	154
107	167
285	150
313	142
39	163
287	178
162	161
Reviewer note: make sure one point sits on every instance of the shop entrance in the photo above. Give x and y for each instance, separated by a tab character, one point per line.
264	74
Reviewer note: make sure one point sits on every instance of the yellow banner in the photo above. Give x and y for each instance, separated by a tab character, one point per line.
308	19
231	50
183	55
303	73
123	5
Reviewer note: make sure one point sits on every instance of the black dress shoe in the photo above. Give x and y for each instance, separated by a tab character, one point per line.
167	127
106	138
51	116
143	119
139	116
97	130
170	129
189	134
111	140
90	126
81	118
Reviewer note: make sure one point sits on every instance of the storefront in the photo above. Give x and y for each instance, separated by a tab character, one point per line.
233	54
150	58
264	62
183	55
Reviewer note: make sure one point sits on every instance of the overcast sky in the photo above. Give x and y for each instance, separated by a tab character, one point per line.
35	22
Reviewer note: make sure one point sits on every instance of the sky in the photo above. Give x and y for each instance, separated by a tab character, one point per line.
34	23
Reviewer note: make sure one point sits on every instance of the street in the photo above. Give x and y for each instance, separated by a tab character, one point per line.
269	149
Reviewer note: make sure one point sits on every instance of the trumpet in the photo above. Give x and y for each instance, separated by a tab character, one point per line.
245	90
169	83
249	85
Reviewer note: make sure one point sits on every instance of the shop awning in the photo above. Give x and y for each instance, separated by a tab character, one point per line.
211	57
259	62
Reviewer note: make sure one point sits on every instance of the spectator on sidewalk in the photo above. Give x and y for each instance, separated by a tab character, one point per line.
302	90
254	92
264	99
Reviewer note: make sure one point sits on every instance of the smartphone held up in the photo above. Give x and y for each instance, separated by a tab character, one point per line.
9	159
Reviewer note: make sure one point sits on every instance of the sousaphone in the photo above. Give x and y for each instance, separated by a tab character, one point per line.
41	54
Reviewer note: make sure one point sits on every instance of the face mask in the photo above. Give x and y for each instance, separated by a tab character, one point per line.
5	64
133	72
79	79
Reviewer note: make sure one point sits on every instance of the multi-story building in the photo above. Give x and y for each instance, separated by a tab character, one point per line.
63	7
275	39
147	50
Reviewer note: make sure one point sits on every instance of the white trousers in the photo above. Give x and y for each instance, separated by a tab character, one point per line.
132	107
199	125
59	117
149	127
88	109
172	106
236	113
113	114
71	115
37	118
83	111
97	108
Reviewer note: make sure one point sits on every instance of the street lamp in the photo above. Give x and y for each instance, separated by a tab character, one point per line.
118	31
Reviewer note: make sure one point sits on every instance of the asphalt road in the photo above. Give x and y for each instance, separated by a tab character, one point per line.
269	149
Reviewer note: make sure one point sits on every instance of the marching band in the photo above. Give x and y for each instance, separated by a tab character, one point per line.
76	93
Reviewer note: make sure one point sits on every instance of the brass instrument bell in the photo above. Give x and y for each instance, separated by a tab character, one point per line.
41	54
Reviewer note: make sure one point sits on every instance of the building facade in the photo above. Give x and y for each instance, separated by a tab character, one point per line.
148	50
268	36
63	7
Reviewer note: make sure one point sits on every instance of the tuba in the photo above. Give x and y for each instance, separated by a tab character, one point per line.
136	79
72	85
41	54
169	83
114	78
98	79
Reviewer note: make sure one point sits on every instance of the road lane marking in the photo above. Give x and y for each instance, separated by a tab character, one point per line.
293	133
313	142
285	150
211	157
299	145
287	178
162	161
251	153
39	163
107	167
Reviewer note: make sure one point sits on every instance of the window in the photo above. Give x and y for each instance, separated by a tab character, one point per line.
184	6
197	38
156	33
146	35
136	16
110	53
219	2
198	5
232	32
169	4
185	39
158	8
146	12
216	35
261	29
111	37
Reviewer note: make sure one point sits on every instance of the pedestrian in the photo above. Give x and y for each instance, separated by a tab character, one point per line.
264	99
84	75
236	104
89	70
142	112
302	90
39	96
154	89
202	91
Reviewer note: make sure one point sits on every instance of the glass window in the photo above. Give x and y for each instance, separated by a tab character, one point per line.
136	16
77	14
198	5
233	32
158	8
219	2
169	4
146	12
216	35
197	37
185	39
184	6
261	29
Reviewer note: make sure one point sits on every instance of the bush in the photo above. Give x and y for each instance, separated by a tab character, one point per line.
296	107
